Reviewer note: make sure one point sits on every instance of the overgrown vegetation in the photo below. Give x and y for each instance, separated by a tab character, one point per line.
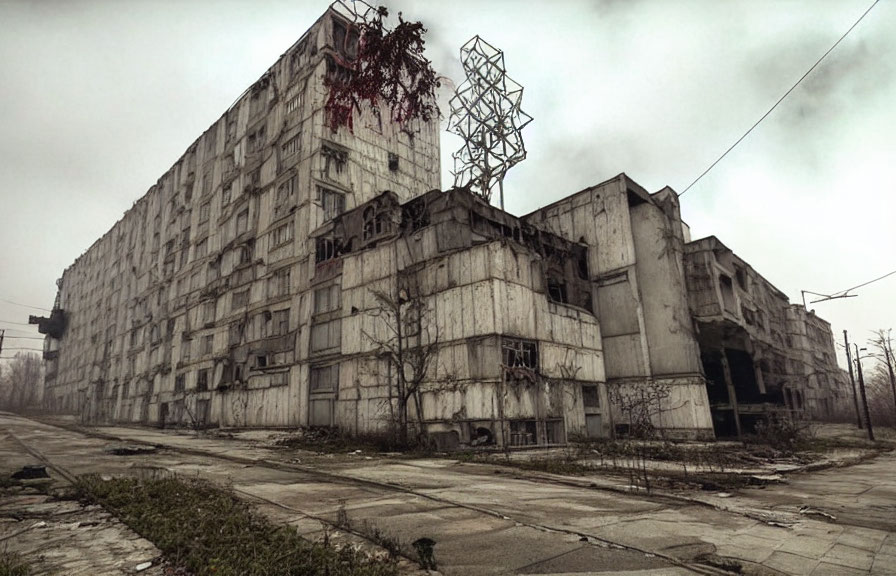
208	531
389	67
334	440
11	564
423	548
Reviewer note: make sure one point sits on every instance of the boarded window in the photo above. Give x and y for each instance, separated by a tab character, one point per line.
278	283
325	378
207	344
326	336
327	299
240	299
235	333
280	323
179	383
242	221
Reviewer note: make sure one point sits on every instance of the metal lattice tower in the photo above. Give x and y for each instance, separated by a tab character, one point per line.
485	112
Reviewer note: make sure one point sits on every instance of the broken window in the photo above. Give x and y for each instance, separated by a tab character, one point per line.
204	211
202	380
201	249
185	350
334	160
286	197
179	383
332	202
519	353
345	39
376	223
557	290
393	162
523	432
324	378
325	250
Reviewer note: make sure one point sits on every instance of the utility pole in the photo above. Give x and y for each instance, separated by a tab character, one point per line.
864	397
852	381
889	369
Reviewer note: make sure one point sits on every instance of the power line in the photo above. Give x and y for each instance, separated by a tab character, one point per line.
25	337
23	348
17	323
831	49
24	305
864	283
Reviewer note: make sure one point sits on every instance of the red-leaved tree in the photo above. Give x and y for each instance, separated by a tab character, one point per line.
389	68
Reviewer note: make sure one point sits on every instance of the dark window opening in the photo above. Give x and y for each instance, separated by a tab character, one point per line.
590	397
741	277
523	432
519	353
326	250
557	290
202	381
393	162
334	160
179	383
727	289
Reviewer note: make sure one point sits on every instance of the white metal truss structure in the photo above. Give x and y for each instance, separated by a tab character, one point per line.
485	112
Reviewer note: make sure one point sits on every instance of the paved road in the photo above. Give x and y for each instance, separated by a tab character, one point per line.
491	520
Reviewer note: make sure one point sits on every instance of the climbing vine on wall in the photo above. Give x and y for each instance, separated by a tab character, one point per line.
389	68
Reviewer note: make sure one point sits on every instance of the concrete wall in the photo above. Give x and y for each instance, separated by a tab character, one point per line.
234	214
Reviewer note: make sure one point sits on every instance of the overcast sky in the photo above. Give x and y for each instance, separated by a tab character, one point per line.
99	99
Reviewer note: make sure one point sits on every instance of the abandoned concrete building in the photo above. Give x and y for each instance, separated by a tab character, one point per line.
273	274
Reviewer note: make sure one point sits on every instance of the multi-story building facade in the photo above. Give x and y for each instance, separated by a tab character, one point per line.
213	263
267	277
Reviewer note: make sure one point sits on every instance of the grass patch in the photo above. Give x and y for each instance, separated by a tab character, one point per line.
208	531
335	441
11	564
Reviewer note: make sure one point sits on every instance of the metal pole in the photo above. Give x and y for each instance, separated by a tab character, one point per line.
852	381
892	377
864	397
